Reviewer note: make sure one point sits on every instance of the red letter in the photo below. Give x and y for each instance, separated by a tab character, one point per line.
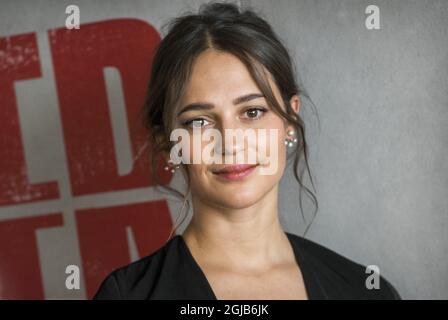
19	261
19	60
79	57
103	239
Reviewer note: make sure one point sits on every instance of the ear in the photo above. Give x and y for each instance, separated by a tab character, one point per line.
295	104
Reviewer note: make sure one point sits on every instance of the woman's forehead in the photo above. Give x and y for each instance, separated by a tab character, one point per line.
219	75
215	72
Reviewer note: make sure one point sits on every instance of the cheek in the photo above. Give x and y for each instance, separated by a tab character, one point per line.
197	149
272	149
281	148
198	176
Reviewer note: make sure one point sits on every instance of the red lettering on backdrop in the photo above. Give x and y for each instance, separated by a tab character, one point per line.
20	274
103	239
79	57
19	60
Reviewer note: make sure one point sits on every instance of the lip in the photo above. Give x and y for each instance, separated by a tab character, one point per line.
235	172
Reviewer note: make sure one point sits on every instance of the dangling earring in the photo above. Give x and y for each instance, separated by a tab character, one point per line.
172	166
289	142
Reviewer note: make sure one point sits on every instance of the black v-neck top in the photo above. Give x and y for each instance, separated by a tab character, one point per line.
172	273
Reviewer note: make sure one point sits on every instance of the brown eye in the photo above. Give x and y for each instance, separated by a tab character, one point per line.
255	113
195	122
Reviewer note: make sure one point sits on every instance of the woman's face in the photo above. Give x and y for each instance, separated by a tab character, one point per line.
217	79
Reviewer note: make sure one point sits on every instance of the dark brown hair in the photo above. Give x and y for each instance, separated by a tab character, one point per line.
246	35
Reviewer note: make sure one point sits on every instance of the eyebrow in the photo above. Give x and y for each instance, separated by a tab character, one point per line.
208	106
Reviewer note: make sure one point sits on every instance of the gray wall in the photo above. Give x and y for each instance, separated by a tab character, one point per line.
377	158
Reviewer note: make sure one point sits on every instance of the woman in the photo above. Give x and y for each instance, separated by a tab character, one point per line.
225	69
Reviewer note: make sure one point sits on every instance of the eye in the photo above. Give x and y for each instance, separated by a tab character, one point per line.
194	122
255	112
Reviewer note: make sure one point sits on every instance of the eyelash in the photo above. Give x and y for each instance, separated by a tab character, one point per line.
261	109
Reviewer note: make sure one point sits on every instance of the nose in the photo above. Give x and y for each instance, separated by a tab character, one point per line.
232	145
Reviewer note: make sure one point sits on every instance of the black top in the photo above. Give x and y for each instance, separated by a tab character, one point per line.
171	272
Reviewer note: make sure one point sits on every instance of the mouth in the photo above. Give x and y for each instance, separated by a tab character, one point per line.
235	172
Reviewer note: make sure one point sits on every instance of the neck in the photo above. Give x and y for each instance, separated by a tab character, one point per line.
227	236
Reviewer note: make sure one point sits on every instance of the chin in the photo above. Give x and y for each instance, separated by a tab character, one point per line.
238	199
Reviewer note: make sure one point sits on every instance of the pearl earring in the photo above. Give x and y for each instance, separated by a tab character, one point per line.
171	166
289	142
